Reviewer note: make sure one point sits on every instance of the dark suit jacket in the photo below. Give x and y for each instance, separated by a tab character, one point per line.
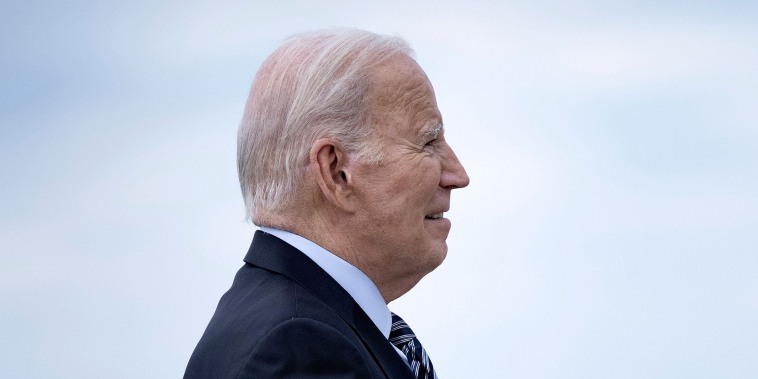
285	317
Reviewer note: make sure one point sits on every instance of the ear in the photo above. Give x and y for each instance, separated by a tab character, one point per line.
329	163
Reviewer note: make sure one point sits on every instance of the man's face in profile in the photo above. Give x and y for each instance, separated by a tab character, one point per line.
404	196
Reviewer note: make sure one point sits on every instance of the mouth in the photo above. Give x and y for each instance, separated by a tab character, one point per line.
435	216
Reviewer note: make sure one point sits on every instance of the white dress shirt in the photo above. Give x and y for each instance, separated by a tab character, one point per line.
353	280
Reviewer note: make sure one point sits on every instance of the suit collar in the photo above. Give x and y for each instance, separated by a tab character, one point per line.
350	278
275	255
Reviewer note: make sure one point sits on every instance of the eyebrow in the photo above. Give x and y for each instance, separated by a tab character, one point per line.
433	130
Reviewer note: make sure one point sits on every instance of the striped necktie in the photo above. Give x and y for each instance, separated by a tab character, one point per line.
404	339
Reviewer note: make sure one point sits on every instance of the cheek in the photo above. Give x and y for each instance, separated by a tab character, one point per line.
426	185
402	196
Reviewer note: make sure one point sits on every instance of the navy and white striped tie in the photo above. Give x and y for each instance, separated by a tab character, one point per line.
404	339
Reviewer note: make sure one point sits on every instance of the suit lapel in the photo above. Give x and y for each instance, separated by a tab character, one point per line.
273	254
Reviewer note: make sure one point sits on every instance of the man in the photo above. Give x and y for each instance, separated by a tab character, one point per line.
343	164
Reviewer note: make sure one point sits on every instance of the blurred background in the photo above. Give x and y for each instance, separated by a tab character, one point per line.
609	231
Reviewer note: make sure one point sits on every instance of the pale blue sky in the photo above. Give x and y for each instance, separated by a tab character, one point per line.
609	230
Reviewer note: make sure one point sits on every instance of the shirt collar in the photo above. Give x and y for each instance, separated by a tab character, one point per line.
353	280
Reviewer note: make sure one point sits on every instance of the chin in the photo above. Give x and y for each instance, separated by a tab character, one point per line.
438	256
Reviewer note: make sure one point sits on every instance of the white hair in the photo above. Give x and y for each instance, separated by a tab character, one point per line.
313	86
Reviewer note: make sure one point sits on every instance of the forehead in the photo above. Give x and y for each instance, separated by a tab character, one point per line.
401	86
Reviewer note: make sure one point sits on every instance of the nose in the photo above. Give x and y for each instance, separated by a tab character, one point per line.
453	174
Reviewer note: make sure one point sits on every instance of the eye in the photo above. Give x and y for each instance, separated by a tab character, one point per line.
431	142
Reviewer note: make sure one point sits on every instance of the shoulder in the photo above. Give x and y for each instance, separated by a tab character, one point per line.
303	347
268	326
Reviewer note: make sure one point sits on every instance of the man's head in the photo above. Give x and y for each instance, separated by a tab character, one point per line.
313	86
371	173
